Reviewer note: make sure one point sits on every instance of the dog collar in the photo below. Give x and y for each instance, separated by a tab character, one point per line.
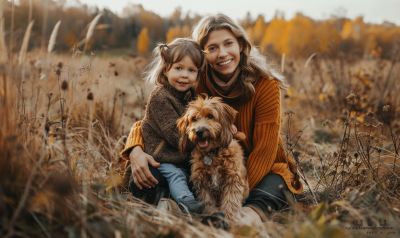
207	160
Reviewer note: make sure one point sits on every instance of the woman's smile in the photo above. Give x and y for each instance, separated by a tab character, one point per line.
225	62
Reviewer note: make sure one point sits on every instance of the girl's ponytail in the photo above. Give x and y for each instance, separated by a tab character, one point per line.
163	50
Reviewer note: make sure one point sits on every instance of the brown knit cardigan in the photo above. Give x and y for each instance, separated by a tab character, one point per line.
159	131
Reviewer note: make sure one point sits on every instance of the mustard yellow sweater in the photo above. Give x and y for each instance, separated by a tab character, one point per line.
259	118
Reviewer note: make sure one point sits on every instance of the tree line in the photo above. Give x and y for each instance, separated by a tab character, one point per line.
138	30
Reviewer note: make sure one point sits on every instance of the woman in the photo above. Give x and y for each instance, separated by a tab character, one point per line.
240	75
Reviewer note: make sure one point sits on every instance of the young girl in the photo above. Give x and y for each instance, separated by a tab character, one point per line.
176	71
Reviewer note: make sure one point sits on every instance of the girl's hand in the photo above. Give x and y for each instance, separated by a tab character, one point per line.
141	174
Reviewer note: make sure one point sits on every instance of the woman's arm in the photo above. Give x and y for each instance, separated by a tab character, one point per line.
135	138
266	131
139	160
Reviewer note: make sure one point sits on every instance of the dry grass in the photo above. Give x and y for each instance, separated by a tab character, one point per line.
3	47
66	119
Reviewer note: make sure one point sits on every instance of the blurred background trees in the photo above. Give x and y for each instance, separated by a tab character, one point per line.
137	31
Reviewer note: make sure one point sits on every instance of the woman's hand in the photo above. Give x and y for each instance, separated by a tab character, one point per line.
141	174
238	135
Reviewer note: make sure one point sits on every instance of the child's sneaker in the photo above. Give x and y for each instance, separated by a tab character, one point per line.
190	205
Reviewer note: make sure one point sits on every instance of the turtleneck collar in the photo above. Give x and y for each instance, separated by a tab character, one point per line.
227	89
183	96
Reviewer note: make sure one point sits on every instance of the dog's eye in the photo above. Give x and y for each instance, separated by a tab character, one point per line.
210	116
194	119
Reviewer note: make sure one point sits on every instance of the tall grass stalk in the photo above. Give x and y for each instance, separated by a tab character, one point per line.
21	59
90	31
24	197
309	59
11	30
52	42
53	36
90	124
3	47
25	42
5	100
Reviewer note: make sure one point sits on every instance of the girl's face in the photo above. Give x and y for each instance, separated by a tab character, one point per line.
223	52
183	74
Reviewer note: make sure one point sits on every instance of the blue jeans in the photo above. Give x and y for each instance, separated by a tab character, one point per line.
177	179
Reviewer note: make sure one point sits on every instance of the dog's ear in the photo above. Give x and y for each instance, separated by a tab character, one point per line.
184	143
227	119
229	113
181	124
226	136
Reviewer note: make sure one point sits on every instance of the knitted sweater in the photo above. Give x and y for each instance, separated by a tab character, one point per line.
159	131
259	118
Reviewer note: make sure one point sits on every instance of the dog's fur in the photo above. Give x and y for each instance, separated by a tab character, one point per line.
205	130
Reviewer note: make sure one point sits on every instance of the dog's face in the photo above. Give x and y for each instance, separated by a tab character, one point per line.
206	125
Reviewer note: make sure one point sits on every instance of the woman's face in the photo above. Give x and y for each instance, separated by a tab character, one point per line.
223	52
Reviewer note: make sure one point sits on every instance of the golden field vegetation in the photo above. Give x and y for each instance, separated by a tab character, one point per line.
64	119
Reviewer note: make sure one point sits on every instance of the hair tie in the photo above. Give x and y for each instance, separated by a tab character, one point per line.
163	49
162	46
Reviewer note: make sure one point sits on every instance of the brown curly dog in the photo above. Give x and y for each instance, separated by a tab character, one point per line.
218	171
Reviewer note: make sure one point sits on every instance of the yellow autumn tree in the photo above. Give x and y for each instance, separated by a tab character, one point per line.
177	31
300	36
347	30
386	40
257	32
172	33
371	47
275	36
186	31
353	29
143	41
327	36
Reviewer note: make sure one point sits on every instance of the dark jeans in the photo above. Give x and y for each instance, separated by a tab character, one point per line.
269	194
151	195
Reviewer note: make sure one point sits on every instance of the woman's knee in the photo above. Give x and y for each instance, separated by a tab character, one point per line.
270	194
149	195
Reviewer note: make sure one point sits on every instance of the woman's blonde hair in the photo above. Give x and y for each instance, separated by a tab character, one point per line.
253	65
165	55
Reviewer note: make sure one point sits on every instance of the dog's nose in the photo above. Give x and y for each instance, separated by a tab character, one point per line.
200	132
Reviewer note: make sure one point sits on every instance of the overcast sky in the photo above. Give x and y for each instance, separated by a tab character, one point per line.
375	11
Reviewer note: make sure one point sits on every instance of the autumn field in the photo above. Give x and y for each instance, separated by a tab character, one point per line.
65	115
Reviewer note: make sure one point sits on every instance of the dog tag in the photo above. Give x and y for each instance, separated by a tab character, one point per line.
207	160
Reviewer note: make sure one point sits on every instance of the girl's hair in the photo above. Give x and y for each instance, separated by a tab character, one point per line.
165	55
252	63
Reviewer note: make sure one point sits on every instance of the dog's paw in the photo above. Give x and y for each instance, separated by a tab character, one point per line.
217	220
